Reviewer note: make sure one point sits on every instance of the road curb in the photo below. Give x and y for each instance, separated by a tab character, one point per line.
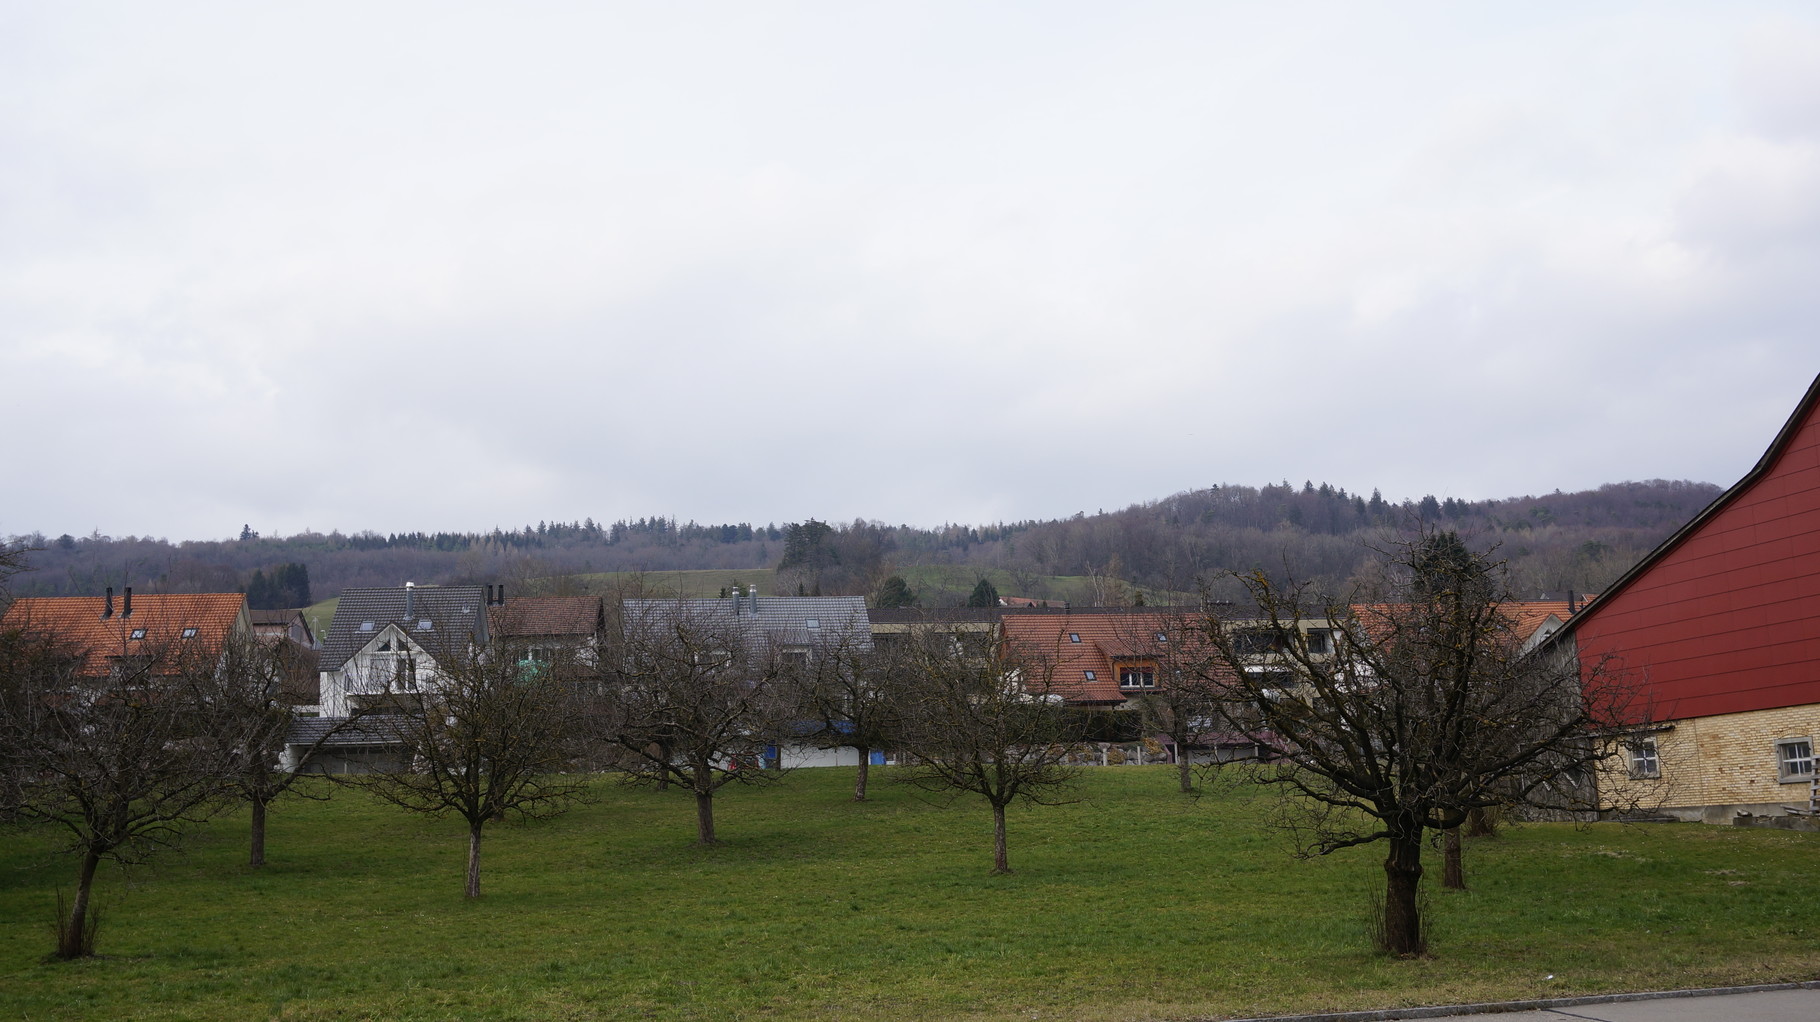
1497	1007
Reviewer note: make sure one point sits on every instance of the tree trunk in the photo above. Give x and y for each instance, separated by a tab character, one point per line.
70	942
1001	863
859	783
474	858
1453	876
258	855
1402	919
1184	769
704	817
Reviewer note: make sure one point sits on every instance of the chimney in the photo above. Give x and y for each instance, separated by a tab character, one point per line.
1571	609
489	595
753	590
126	605
500	591
734	594
107	609
410	599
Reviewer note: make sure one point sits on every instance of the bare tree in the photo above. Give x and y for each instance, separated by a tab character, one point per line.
852	695
1176	691
251	686
122	748
695	699
1423	709
985	721
492	736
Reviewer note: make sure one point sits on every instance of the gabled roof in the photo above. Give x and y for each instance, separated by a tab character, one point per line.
1784	437
570	617
454	613
1106	637
282	622
157	622
778	620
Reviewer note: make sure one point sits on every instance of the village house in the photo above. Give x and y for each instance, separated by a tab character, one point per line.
148	634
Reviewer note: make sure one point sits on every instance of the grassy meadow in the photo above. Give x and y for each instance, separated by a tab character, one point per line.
1135	903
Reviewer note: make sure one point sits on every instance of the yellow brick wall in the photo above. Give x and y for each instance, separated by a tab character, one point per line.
1712	766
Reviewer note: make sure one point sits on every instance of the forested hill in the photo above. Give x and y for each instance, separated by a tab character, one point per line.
1554	543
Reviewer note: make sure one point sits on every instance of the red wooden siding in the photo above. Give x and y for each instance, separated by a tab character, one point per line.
1728	618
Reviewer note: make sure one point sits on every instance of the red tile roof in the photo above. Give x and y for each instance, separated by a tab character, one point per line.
1108	637
157	622
524	616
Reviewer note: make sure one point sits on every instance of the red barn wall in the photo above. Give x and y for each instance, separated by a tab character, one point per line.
1728	620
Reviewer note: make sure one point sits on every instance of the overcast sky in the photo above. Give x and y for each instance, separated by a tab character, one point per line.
444	266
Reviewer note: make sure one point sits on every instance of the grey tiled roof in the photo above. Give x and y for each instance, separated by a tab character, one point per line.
379	729
780	620
452	611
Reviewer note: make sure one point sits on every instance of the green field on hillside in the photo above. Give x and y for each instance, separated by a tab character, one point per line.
1135	903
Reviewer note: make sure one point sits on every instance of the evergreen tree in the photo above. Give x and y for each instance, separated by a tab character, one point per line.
985	594
894	592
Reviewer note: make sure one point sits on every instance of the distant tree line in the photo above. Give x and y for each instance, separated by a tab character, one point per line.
1553	543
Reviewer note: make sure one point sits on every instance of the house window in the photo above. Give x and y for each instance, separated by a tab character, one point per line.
1256	643
1320	641
189	633
1137	677
1795	759
1091	675
1074	636
404	677
1643	759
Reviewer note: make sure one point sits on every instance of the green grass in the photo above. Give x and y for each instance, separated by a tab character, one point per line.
1137	903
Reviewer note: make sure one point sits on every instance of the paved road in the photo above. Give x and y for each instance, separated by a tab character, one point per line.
1778	1003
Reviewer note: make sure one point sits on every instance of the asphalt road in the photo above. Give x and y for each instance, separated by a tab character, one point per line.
1783	1002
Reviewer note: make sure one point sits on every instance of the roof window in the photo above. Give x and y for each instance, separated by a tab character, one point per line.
366	626
1091	675
190	632
423	625
814	622
1074	636
138	633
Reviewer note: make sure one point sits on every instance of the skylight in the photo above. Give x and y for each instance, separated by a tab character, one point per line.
366	626
1074	636
814	622
138	633
423	625
1091	675
189	633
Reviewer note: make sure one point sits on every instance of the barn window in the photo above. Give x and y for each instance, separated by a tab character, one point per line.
1643	760
1795	759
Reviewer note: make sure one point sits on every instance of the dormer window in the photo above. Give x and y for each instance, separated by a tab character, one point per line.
1137	677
